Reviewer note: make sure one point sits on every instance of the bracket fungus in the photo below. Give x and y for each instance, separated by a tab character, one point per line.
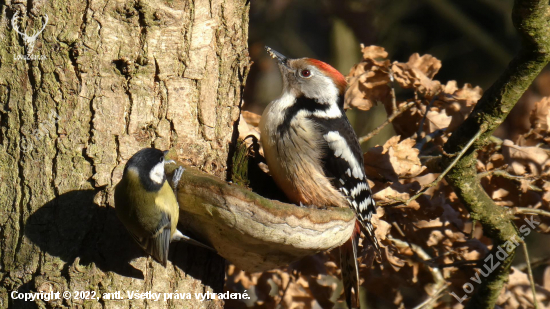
253	232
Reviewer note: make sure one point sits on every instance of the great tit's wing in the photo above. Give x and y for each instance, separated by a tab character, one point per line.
158	243
178	236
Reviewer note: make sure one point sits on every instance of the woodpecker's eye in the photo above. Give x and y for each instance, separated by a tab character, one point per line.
305	73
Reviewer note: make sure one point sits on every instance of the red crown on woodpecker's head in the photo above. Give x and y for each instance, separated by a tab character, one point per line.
337	77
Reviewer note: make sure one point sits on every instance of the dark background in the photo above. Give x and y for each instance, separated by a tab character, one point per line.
474	39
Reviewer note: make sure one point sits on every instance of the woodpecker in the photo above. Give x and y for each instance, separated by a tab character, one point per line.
313	153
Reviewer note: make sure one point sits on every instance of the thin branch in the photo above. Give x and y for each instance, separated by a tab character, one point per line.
536	263
530	273
429	137
442	175
460	263
502	173
393	98
530	211
421	125
437	295
398	112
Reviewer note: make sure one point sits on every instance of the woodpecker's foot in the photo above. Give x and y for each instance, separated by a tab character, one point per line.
177	176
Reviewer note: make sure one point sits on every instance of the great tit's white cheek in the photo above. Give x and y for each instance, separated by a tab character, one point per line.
157	173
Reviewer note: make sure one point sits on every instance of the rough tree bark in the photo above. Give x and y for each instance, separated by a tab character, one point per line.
110	78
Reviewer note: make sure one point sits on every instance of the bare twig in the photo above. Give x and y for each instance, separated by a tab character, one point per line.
502	173
529	211
442	175
530	273
429	137
437	295
398	112
536	263
459	263
393	99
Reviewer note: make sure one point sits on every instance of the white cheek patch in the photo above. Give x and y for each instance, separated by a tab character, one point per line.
157	173
341	149
321	88
331	113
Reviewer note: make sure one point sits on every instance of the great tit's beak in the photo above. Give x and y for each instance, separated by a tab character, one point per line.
277	55
168	161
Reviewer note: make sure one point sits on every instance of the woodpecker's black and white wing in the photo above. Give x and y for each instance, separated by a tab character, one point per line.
343	164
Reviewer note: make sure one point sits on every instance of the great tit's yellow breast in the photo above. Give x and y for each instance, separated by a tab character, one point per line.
167	201
141	210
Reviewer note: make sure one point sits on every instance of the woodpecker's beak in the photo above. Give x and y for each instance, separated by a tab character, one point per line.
276	55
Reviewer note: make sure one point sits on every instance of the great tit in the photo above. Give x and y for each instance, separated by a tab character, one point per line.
147	206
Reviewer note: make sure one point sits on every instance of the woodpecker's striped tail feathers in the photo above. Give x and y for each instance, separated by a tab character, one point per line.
364	210
350	270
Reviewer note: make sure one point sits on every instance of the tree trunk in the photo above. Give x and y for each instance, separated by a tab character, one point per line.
104	80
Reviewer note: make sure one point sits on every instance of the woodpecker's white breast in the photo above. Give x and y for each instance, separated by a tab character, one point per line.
293	154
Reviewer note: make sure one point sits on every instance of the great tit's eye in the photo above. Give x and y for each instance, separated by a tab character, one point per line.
161	159
305	73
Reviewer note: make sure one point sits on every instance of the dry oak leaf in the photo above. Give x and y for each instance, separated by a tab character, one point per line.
382	227
374	53
390	196
460	102
519	158
540	124
418	73
394	160
517	293
251	118
368	80
540	116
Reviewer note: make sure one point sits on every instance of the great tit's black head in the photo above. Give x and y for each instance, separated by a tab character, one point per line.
148	164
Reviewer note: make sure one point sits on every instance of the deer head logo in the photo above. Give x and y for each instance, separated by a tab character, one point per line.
28	40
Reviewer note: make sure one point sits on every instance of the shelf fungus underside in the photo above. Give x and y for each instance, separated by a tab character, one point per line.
252	232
